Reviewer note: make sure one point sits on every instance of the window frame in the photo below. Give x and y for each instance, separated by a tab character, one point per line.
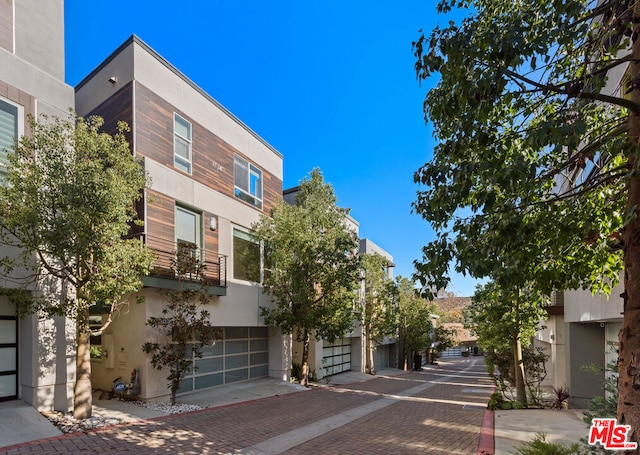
263	255
245	194
179	162
19	130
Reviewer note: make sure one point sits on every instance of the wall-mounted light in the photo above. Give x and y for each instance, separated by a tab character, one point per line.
113	79
213	223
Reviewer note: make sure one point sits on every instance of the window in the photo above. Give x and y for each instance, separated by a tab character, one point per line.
95	341
252	259
181	144
248	182
246	256
188	226
188	240
9	129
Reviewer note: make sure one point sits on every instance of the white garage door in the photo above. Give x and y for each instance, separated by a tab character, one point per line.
336	356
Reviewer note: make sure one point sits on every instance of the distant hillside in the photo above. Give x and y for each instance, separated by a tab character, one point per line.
451	307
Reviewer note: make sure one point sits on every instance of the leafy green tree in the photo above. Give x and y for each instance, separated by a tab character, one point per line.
184	325
314	253
504	321
414	320
535	173
443	338
68	202
378	316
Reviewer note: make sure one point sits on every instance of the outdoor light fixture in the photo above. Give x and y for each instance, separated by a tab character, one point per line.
213	223
113	79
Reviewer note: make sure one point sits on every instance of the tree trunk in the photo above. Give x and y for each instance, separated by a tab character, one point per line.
521	392
82	403
629	348
304	375
369	367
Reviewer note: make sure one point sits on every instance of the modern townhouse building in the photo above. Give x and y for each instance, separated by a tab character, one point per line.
35	362
385	354
212	177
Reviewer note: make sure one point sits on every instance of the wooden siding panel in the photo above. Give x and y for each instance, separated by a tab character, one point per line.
160	224
28	102
117	108
212	158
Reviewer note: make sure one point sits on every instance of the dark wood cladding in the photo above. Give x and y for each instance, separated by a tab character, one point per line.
25	100
212	158
160	225
117	108
6	25
160	219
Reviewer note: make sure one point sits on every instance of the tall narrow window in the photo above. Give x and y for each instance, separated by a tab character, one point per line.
248	182
181	144
188	241
9	129
246	256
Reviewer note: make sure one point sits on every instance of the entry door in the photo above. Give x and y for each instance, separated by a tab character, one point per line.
8	353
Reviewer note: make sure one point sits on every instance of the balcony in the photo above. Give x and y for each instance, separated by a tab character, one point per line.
182	263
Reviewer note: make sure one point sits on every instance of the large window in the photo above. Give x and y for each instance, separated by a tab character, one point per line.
248	182
181	143
188	240
9	129
246	256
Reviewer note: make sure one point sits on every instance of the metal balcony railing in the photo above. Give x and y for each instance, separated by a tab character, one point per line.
184	260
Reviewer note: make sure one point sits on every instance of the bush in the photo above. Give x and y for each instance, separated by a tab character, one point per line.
539	446
560	396
495	401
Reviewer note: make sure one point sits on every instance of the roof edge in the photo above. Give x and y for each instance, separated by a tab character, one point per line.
134	39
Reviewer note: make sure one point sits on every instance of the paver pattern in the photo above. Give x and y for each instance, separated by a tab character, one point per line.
442	415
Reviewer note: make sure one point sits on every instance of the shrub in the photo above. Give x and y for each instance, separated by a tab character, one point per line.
560	396
495	401
539	446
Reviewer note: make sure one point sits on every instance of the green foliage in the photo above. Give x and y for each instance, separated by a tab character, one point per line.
414	318
378	315
512	119
561	396
68	202
184	327
495	401
540	446
604	406
444	338
316	264
500	317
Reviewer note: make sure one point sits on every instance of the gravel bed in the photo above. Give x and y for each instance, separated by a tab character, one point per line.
66	423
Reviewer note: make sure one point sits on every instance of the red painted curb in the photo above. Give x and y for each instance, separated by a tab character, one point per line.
486	444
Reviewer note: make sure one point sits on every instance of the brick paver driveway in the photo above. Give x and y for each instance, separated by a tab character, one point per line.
436	411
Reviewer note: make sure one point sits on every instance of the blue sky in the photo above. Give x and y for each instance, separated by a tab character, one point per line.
329	84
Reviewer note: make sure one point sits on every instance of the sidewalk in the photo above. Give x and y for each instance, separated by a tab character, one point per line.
512	428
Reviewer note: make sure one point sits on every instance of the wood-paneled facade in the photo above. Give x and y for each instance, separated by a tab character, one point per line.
151	121
212	158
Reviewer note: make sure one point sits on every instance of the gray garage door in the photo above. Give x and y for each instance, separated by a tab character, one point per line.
242	354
